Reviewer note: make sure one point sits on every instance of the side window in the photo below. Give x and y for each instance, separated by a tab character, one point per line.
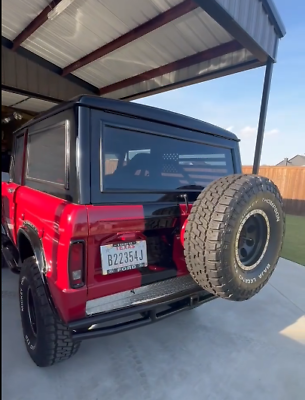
133	153
17	160
48	155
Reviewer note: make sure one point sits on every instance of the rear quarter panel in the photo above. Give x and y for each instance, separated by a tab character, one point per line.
56	222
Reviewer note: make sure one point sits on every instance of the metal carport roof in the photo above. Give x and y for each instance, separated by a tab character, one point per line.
133	48
138	47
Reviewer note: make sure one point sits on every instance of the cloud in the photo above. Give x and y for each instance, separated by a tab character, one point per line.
272	132
248	132
230	128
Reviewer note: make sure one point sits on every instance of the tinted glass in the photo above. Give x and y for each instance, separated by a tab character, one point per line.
138	161
47	155
18	159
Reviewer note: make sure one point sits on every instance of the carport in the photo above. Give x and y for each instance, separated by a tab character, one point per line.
52	52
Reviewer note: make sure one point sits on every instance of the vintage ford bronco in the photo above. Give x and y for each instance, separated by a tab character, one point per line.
117	215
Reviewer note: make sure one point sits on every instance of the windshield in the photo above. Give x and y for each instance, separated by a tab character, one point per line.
140	161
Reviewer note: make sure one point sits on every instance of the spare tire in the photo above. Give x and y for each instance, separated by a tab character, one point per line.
234	235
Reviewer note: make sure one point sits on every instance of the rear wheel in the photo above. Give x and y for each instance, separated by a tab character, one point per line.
234	236
47	340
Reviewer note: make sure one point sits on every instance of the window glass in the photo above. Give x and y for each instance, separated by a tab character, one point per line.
111	163
47	155
18	159
157	163
132	153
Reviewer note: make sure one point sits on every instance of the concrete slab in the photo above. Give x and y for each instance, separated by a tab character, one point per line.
220	351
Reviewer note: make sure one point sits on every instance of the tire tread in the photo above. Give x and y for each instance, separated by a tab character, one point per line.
59	345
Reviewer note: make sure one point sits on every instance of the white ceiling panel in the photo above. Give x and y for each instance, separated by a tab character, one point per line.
25	103
9	98
196	31
89	24
17	14
35	105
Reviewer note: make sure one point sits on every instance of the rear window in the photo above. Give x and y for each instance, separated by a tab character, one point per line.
137	161
47	155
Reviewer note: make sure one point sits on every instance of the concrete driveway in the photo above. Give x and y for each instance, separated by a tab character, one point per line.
222	350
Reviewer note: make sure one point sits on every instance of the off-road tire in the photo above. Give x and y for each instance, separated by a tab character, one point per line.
53	342
210	239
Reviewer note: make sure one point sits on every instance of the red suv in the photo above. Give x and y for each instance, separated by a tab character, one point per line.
117	215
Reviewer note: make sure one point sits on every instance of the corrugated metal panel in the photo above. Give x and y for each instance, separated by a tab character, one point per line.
195	71
251	16
196	31
86	25
35	105
9	98
16	15
23	74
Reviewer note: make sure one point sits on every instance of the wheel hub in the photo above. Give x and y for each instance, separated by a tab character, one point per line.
252	240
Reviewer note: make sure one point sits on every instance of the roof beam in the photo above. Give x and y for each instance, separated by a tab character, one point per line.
162	19
34	25
197	58
245	66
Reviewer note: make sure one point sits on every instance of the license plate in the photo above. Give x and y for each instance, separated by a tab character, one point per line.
123	256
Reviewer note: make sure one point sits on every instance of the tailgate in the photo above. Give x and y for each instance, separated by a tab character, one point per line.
132	229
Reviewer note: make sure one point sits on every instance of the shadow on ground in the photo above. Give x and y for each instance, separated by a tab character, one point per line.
222	350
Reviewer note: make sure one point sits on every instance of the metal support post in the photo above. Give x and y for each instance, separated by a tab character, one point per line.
262	116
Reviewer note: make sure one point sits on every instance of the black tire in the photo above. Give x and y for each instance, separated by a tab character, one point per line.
216	238
47	340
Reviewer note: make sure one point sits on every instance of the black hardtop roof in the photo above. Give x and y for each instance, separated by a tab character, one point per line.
136	110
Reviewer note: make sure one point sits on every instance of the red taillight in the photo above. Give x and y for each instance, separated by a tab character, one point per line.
76	264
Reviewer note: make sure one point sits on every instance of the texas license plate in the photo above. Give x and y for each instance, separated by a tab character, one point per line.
123	256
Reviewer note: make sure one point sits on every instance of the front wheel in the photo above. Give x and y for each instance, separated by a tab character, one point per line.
47	340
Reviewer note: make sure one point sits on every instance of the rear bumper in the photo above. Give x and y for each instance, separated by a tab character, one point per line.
148	305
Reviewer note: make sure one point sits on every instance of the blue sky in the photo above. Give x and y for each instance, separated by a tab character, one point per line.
233	102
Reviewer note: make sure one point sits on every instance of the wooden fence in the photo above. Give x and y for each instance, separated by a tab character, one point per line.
291	183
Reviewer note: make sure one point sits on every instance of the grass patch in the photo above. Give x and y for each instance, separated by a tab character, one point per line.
294	243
